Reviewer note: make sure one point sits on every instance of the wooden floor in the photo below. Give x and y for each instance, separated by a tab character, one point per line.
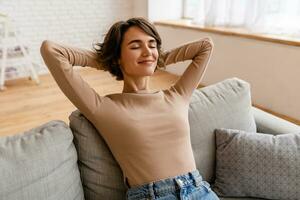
25	105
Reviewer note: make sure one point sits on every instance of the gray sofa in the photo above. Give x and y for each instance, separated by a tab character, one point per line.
60	161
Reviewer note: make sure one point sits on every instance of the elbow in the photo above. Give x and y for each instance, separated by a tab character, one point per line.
47	51
208	42
207	45
46	47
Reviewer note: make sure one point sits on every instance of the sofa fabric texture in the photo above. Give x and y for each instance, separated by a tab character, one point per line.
257	165
225	104
40	164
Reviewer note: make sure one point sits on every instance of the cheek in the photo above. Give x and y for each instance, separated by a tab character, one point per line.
128	57
132	56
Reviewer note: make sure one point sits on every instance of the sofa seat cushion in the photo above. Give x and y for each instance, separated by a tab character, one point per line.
40	164
257	165
225	104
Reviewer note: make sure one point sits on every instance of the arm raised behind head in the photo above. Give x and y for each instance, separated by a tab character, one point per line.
60	60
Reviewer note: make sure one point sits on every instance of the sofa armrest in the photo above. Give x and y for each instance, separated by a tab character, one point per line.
268	123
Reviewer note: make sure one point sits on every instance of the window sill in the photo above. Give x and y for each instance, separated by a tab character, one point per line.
231	32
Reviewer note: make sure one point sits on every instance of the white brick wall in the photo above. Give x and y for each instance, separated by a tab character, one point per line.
74	22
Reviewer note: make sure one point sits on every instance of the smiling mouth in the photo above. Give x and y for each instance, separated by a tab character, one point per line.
146	62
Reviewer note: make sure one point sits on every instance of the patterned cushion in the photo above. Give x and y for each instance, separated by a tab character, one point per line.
257	165
40	164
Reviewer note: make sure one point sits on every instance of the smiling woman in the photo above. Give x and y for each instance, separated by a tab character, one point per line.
148	133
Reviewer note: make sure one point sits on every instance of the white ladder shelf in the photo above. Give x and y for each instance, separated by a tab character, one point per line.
19	51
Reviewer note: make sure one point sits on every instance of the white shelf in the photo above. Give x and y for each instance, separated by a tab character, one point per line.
12	49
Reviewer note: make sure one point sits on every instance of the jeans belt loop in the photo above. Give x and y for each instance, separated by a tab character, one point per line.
197	179
151	191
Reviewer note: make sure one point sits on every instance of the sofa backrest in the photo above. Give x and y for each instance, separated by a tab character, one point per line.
268	123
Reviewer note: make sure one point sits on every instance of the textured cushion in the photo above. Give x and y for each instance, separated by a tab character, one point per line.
100	174
257	165
225	104
40	164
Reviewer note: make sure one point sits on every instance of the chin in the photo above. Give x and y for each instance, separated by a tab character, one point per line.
147	73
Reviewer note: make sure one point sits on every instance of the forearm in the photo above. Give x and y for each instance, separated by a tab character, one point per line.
54	52
198	51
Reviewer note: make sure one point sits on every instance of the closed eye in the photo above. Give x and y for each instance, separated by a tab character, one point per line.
153	44
137	44
152	47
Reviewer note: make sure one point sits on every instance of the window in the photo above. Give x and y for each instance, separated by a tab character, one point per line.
259	16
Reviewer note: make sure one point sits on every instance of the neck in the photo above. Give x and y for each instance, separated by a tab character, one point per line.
136	85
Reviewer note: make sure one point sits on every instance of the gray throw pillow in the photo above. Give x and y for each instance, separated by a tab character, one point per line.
40	164
225	104
100	173
257	165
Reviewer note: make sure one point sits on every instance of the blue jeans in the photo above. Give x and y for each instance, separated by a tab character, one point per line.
189	186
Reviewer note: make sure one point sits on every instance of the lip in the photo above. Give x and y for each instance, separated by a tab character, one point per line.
146	62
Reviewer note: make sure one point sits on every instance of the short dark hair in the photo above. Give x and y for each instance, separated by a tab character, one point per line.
109	51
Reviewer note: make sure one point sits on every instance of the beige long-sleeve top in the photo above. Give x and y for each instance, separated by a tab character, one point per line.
148	133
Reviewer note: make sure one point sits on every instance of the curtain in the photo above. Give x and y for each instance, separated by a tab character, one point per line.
260	16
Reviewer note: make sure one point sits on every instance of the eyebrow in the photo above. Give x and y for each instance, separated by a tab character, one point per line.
140	41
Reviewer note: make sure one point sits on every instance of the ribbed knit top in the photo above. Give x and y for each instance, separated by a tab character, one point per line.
148	133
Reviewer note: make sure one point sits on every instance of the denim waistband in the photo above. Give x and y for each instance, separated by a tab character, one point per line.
166	185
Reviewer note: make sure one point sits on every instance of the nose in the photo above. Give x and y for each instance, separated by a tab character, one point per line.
146	51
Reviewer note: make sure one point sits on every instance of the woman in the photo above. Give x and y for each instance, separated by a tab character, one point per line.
147	131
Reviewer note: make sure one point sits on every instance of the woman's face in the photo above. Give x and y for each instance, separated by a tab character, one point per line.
139	53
